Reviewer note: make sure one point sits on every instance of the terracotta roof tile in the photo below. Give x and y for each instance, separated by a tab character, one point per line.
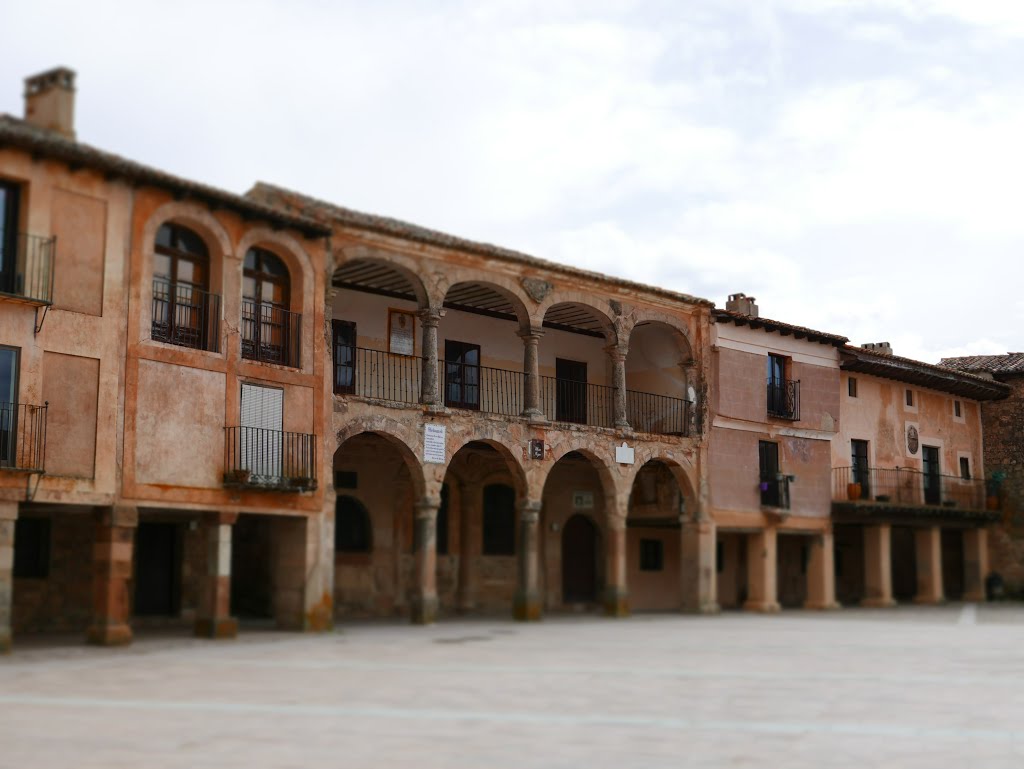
1010	363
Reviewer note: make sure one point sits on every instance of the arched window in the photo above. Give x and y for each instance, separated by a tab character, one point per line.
352	530
184	312
270	332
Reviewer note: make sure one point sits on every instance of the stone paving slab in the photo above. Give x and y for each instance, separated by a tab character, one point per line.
907	687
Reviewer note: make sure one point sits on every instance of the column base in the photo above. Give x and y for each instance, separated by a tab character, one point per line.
616	602
927	600
219	628
711	607
5	643
765	607
423	610
112	634
975	597
877	603
527	607
822	605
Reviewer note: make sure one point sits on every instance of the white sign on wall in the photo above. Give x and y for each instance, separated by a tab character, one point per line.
625	455
434	439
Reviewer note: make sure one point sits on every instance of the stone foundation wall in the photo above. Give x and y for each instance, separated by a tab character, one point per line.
1003	425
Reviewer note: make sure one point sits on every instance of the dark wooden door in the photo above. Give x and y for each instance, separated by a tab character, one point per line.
932	481
156	569
579	560
8	236
571	392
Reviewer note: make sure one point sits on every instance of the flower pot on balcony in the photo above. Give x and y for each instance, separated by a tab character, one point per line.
238	477
853	491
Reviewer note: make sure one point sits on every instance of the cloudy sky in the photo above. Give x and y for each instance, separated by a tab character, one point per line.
854	164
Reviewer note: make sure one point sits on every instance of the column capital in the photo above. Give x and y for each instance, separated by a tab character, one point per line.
430	316
529	510
427	507
531	334
617	352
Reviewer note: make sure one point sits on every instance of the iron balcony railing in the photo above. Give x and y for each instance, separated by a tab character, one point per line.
23	437
185	316
26	267
905	486
271	334
784	399
257	458
397	378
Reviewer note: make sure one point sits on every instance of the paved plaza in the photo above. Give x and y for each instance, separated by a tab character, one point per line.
909	687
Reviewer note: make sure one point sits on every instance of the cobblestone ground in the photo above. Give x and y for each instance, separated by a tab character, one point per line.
910	687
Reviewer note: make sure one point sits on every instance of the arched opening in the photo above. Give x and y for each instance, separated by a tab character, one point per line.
581	561
477	572
270	331
482	356
658	397
185	312
374	327
574	488
654	539
375	477
576	385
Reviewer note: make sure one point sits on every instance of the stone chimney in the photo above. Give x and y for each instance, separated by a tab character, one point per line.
742	304
882	348
50	101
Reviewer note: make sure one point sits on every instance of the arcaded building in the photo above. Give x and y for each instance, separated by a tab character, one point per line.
910	508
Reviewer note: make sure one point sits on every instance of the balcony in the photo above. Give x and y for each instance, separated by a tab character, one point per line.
271	334
30	279
269	460
23	437
784	399
397	378
906	491
185	316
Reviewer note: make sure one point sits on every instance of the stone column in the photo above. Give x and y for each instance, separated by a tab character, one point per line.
213	615
113	546
762	593
698	569
527	604
821	573
8	517
424	600
928	552
618	354
975	564
469	510
531	370
878	566
430	393
616	593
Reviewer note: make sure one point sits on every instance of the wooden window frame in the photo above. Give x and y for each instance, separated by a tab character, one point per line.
463	402
851	386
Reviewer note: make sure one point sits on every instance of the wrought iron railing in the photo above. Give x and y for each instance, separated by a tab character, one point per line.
562	400
906	486
257	458
271	334
185	316
23	437
660	414
397	378
26	267
784	399
378	374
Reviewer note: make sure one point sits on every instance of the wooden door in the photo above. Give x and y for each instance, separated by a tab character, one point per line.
571	391
579	560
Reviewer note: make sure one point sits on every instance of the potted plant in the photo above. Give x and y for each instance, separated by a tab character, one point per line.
238	476
853	491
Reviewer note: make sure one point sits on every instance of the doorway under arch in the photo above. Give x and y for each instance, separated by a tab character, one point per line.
581	555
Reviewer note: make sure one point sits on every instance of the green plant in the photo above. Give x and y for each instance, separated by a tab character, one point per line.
995	482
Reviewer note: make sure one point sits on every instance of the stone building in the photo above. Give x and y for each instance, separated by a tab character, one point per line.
1003	424
775	407
909	507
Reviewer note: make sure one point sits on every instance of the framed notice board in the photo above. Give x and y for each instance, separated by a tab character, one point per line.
401	332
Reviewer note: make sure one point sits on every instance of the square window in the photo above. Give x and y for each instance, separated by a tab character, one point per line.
652	555
851	385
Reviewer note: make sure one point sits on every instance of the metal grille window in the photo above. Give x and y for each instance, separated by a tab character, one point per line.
652	555
769	462
185	313
270	332
344	338
462	375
